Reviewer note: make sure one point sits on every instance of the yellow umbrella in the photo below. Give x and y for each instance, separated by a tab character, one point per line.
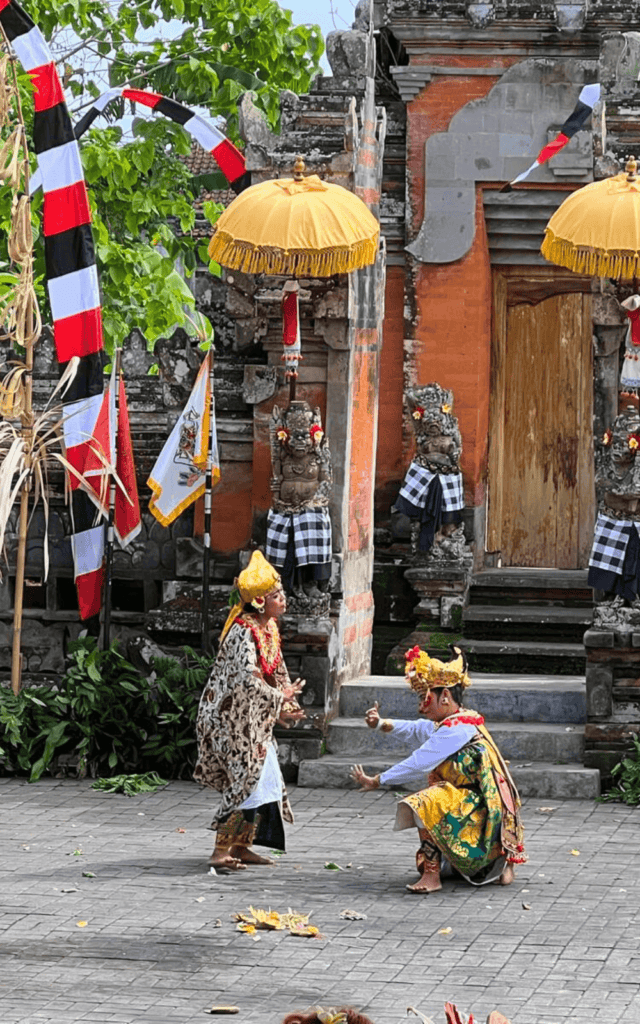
597	229
302	226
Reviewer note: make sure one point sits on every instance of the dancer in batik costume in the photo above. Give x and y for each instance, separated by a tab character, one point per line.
248	692
469	812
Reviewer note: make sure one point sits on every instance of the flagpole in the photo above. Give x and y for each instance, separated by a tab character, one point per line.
206	540
108	571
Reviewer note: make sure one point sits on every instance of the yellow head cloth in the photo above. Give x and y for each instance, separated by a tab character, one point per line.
425	673
257	580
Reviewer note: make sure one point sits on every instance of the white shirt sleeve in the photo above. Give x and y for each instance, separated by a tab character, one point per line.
441	744
415	731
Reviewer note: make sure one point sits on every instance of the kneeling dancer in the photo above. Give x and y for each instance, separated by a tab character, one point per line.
249	690
469	813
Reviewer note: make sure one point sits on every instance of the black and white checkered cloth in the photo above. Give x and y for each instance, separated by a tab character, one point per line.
311	536
416	484
610	540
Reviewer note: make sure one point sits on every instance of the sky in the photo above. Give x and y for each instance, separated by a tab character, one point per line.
328	14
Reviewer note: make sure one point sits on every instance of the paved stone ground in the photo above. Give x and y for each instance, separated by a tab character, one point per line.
151	951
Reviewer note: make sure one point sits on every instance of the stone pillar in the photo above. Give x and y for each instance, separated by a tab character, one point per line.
613	694
340	133
366	311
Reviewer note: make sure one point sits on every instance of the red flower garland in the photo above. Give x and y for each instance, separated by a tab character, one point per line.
266	639
466	718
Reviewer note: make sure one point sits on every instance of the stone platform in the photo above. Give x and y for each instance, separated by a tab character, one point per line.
159	945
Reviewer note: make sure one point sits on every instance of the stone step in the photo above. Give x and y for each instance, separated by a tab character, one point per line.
503	654
545	579
526	648
539	613
514	698
518	741
542	780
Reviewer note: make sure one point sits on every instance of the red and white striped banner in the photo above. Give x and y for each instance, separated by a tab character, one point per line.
228	158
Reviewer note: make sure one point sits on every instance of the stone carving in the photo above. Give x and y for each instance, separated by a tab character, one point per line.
300	458
478	145
481	15
614	565
571	17
298	525
450	546
259	383
432	492
618	467
438	440
617	616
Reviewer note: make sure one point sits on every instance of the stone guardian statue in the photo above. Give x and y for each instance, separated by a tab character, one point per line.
299	525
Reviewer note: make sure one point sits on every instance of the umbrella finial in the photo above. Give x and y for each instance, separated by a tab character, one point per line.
631	167
298	168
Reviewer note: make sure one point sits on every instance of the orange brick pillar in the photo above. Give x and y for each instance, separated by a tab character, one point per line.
353	382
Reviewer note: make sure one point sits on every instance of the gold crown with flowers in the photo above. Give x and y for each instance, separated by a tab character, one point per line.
425	673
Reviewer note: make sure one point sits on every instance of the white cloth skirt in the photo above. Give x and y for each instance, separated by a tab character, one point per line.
269	788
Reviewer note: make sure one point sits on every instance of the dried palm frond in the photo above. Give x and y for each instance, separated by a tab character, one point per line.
28	454
6	91
29	450
12	396
20	241
11	158
20	319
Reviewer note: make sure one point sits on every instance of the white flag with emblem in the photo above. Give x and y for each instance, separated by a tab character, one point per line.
178	477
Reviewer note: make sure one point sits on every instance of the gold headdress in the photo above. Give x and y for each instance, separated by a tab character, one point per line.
253	584
331	1016
425	673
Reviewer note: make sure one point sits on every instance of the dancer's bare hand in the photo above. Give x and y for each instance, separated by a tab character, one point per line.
372	716
366	782
289	718
294	688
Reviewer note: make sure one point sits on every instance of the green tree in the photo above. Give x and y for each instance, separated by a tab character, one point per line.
204	54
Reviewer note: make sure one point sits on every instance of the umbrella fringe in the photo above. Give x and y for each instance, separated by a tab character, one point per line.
593	262
236	254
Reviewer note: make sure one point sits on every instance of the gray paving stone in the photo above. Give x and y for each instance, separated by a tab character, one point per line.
150	953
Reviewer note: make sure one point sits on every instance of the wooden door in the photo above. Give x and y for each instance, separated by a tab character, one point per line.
541	476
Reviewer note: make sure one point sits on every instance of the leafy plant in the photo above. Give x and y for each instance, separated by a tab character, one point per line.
175	696
31	729
141	192
627	774
130	785
106	699
442	641
106	716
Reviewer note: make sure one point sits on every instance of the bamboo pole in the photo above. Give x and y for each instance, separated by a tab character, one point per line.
206	540
27	433
108	572
16	654
23	523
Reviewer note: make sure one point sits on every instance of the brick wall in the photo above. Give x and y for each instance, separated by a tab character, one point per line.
453	345
452	302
